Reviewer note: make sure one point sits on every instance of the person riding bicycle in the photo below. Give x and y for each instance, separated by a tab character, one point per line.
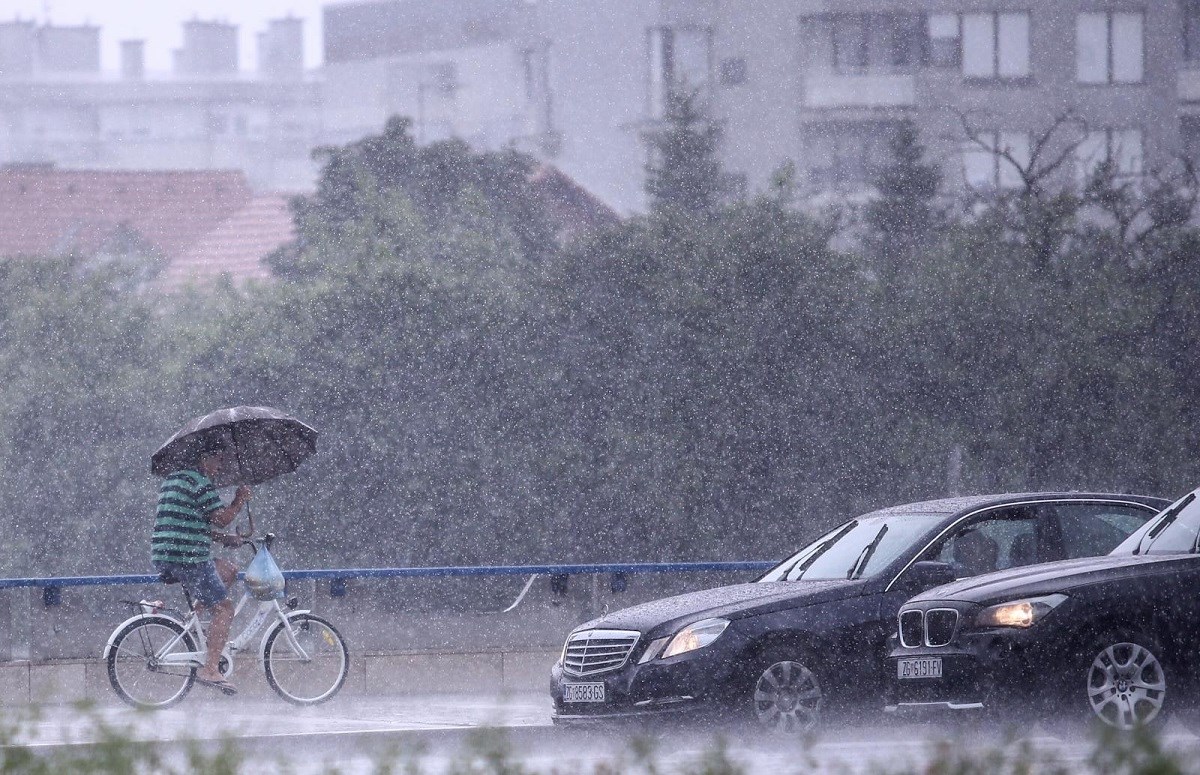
181	547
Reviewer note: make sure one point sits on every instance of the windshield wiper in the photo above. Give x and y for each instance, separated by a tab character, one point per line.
860	564
1154	532
820	550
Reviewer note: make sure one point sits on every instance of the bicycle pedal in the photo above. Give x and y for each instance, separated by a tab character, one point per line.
292	602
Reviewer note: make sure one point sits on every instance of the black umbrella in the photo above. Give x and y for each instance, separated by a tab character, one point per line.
264	441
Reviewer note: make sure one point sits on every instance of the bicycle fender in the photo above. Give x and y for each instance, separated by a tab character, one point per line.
262	644
136	618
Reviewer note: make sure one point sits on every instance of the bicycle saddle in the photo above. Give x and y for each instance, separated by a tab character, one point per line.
167	577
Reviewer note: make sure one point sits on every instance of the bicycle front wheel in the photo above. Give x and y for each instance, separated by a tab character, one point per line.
309	665
136	667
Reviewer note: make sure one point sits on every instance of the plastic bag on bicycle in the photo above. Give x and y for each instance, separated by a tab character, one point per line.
263	577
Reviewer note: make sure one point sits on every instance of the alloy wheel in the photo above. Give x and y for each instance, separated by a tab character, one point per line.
788	698
1126	686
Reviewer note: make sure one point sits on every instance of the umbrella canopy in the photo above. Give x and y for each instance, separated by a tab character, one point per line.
264	441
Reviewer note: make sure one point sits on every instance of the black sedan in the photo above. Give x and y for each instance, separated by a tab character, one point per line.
811	634
1111	638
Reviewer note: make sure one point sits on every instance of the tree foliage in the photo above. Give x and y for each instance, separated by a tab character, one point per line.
707	380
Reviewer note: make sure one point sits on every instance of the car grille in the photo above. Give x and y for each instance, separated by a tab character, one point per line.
939	626
930	628
911	629
598	651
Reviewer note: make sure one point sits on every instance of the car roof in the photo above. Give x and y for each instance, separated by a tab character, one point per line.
963	503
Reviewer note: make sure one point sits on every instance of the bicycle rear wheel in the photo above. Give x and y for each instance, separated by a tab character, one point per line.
135	667
311	668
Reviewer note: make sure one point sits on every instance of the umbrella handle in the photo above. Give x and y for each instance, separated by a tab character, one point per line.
249	533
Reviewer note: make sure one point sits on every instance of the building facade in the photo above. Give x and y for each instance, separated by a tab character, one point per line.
819	83
58	107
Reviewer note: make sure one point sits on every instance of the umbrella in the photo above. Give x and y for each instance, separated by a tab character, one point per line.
265	443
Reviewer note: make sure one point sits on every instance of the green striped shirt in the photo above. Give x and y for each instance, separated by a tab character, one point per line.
186	503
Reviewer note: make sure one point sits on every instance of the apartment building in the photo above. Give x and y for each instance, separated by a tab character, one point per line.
820	83
1114	80
58	107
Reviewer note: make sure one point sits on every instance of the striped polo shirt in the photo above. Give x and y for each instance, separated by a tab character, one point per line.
186	502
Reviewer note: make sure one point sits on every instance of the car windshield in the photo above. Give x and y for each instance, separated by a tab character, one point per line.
1175	529
858	549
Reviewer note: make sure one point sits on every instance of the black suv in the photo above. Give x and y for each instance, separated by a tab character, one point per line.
1112	638
812	633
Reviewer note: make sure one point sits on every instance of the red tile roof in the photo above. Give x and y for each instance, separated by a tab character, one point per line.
205	222
237	245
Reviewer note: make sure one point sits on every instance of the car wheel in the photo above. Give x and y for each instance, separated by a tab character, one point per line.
1126	682
787	696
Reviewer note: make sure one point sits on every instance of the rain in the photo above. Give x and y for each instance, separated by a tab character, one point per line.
608	382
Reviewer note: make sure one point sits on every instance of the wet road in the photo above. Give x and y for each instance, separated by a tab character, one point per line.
440	733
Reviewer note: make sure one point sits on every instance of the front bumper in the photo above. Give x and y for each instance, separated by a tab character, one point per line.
694	683
990	670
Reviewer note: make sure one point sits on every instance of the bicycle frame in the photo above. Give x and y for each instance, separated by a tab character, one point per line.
268	610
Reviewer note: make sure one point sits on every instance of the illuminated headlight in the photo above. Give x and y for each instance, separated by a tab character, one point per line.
695	636
1018	613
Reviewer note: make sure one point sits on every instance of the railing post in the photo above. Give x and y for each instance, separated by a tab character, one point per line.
20	616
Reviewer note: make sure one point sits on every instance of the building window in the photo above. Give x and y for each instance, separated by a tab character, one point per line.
995	45
1120	148
994	160
848	157
944	48
862	42
733	71
850	42
680	57
1109	47
1191	30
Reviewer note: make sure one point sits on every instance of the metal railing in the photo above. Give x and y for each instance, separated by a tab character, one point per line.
52	586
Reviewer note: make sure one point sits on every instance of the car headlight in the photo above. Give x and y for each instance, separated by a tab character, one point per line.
695	636
1018	613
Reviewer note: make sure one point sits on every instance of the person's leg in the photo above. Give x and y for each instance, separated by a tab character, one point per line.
218	633
209	591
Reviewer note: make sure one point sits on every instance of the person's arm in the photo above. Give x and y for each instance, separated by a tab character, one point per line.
222	517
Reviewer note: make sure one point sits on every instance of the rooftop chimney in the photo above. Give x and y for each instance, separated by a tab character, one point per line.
209	48
18	48
133	60
281	49
73	49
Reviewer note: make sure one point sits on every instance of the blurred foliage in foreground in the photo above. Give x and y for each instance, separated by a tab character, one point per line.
105	748
717	379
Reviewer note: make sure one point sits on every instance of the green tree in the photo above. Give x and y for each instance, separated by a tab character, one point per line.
905	215
684	173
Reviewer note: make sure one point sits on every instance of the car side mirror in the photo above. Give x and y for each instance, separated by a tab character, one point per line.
927	574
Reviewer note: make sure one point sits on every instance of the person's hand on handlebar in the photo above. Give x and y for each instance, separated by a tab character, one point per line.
241	495
228	539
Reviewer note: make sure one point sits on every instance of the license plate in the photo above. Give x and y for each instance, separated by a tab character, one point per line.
583	692
921	667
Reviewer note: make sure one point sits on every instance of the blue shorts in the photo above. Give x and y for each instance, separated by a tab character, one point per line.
199	579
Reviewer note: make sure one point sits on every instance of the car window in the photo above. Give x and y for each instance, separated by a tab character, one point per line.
1093	529
859	548
998	540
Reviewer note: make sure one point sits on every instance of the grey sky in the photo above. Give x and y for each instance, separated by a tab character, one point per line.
158	23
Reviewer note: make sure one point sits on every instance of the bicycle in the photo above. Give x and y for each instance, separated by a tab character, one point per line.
152	657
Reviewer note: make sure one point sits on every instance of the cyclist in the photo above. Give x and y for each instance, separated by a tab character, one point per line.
189	510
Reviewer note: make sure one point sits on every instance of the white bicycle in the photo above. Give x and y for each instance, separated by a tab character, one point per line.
152	657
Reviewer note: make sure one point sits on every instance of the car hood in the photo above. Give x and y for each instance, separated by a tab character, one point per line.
732	602
1047	578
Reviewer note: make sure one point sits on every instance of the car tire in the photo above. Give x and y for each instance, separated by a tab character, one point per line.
786	695
1122	682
